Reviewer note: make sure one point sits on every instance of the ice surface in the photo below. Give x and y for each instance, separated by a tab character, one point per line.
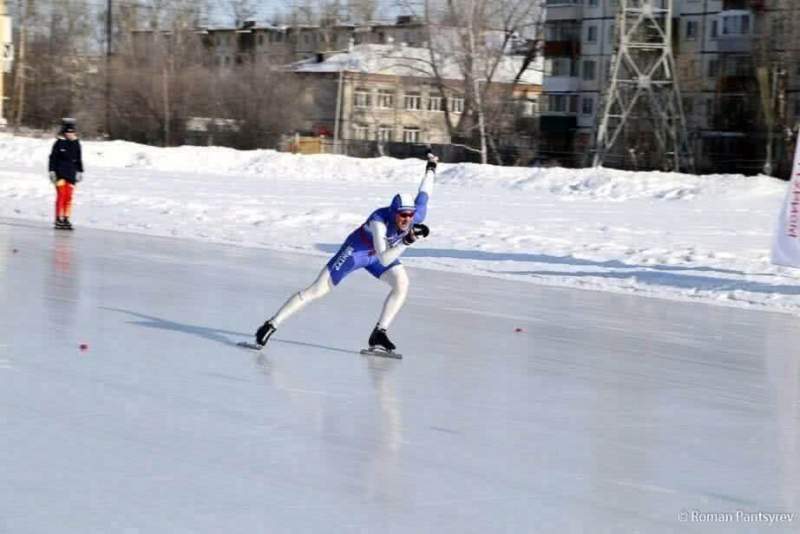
604	413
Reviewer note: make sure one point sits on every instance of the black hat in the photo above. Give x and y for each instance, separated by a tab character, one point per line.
68	125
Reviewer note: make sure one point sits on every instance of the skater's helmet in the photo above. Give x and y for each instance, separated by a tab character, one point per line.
402	202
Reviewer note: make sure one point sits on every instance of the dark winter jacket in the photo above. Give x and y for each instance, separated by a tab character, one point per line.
65	159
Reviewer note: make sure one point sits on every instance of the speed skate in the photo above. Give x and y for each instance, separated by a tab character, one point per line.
383	353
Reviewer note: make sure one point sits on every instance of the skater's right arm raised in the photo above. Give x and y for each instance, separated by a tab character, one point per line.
425	192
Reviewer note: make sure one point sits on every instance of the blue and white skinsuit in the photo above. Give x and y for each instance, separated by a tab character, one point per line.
375	246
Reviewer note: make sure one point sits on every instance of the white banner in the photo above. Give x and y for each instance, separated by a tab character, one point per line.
786	244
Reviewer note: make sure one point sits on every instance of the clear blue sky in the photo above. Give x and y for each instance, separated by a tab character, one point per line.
222	13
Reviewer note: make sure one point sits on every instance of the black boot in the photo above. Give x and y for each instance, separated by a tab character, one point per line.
58	225
65	224
264	332
379	339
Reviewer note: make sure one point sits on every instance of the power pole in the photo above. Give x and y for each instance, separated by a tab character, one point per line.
643	91
109	30
6	55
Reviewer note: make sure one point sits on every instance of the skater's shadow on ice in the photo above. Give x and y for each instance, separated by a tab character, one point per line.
535	258
229	338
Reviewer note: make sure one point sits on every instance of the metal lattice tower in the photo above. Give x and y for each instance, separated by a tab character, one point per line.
642	101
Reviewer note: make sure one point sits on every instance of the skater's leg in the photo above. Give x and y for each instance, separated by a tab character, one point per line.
397	279
68	191
319	288
61	199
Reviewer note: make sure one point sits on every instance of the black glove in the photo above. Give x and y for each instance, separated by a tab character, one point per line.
417	231
432	160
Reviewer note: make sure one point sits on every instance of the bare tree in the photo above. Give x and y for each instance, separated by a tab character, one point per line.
361	11
242	10
478	35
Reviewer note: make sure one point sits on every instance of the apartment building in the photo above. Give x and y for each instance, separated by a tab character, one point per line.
737	68
254	42
578	46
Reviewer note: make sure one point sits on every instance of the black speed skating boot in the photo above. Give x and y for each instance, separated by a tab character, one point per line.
379	339
65	224
264	332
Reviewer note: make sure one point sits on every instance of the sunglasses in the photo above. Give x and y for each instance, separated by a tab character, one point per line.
405	214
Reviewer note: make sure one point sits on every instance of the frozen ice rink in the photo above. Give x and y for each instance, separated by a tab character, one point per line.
604	414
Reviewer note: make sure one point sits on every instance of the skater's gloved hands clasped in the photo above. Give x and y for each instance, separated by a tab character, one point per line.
417	231
52	176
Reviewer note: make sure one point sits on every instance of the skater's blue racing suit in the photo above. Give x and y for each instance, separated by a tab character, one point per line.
377	244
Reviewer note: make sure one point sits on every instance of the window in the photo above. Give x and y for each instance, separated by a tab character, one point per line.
588	70
384	133
385	99
412	101
528	108
360	132
260	39
411	135
691	30
587	105
361	98
435	103
736	25
592	3
563	67
713	68
714	28
563	103
457	104
591	34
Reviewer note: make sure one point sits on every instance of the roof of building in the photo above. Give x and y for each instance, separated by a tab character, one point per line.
398	60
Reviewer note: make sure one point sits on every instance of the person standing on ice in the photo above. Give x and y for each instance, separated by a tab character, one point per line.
375	246
65	171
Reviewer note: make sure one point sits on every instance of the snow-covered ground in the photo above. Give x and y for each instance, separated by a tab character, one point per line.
669	235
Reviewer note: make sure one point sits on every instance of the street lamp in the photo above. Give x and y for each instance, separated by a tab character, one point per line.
339	99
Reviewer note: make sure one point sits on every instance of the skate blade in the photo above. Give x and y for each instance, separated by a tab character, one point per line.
251	346
382	353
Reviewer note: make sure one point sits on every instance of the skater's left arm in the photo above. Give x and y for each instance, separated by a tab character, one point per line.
386	255
80	158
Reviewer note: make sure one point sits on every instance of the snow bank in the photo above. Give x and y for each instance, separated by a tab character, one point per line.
670	235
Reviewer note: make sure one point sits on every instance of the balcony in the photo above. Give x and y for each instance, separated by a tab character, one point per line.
560	123
561	84
755	5
737	84
736	30
734	43
563	10
570	48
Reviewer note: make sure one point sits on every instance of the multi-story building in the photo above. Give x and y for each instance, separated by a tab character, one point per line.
578	46
387	93
737	63
736	68
276	44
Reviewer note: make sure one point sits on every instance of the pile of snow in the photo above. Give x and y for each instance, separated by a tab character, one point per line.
671	235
